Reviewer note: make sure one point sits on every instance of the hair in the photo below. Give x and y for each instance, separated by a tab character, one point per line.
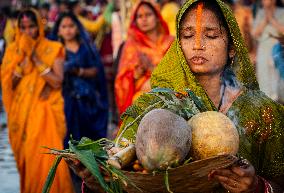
214	7
73	18
73	4
228	74
45	6
147	4
28	13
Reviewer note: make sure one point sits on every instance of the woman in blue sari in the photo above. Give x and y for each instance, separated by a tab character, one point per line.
84	86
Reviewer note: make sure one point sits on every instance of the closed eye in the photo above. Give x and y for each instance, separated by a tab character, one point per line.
187	36
212	36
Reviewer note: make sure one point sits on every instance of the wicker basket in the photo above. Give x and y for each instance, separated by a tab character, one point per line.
192	177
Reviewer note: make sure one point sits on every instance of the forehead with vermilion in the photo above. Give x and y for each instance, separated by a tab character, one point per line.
26	21
199	11
200	17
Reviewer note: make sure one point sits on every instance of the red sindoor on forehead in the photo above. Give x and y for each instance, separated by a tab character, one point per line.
199	11
25	18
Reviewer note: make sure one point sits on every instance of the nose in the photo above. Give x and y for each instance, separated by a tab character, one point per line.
28	31
198	44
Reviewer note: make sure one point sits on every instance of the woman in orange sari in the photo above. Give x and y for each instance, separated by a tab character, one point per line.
31	81
148	40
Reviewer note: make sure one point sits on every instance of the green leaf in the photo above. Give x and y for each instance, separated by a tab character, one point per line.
198	102
156	90
51	175
88	160
116	172
97	147
167	181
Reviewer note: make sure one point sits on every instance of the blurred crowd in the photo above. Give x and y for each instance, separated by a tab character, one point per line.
99	56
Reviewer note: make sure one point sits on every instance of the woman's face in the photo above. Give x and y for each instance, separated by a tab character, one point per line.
268	3
146	19
67	29
28	27
203	42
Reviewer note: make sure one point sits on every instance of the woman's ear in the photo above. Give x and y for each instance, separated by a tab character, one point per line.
232	52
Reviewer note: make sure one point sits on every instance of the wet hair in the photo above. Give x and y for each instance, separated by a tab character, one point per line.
28	13
147	4
72	17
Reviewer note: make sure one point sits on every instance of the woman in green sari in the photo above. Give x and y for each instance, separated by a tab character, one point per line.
209	58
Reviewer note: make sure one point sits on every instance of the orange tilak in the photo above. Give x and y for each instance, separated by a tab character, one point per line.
198	24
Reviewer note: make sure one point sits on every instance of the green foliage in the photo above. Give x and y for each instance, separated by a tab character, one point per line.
51	175
185	104
93	155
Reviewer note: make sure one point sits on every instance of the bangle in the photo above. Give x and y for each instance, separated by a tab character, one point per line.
17	74
267	186
81	72
18	71
42	67
47	70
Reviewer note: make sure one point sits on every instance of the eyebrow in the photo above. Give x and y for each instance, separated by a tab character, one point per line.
191	28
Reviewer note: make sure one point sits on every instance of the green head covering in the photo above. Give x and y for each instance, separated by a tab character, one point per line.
173	71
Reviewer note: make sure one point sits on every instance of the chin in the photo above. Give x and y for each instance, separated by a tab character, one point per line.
199	69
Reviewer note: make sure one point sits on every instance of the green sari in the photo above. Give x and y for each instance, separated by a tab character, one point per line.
259	120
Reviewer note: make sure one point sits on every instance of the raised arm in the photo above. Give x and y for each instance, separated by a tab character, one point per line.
52	75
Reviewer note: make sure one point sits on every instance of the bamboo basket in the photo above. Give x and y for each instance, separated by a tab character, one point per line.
192	177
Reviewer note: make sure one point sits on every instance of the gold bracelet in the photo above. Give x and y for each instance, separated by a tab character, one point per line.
18	71
42	68
46	71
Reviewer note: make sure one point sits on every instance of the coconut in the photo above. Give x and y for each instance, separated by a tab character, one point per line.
163	139
213	134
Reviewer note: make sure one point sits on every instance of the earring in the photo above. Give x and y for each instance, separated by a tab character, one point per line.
232	61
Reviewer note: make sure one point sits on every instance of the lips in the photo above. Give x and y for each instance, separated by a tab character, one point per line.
198	60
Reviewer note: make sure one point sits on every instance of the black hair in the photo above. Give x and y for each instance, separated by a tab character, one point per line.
6	10
228	73
73	4
45	6
70	15
28	13
214	7
149	5
15	14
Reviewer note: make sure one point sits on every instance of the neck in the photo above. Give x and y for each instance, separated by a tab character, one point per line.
212	85
153	35
71	44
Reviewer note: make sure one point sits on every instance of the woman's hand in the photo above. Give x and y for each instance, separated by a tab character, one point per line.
26	44
269	14
80	170
238	179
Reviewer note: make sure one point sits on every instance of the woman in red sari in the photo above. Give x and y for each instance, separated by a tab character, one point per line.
148	40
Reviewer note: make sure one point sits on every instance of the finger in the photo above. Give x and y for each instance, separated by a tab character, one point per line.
226	180
229	188
225	172
243	172
85	174
75	165
211	175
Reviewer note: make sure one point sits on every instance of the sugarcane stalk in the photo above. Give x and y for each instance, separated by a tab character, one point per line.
123	158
